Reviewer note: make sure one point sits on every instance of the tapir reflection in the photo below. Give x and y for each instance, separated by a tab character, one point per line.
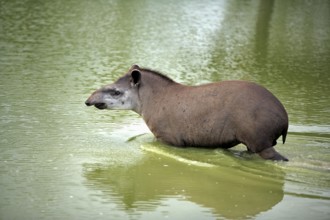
228	191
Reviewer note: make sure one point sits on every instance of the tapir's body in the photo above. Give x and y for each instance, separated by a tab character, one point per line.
213	115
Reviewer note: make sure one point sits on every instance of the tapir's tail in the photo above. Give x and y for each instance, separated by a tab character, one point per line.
284	133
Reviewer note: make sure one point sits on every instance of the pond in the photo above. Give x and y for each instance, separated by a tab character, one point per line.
62	160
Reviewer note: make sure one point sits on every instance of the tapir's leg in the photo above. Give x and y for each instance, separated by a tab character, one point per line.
264	148
271	154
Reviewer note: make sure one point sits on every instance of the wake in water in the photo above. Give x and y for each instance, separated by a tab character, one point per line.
156	150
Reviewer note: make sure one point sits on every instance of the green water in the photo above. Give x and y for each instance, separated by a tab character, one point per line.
62	160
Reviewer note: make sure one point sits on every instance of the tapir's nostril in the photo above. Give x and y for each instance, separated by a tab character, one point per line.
100	105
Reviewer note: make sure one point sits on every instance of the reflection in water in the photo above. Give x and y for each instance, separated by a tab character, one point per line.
225	191
262	29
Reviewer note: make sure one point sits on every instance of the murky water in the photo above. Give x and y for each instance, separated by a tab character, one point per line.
61	160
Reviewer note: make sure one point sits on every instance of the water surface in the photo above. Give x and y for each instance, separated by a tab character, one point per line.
62	160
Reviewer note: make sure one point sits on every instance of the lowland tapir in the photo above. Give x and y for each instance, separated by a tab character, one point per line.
221	114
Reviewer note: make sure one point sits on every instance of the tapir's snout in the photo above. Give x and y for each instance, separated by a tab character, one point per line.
88	103
99	105
93	101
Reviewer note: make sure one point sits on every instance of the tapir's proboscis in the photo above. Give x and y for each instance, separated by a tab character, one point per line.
214	115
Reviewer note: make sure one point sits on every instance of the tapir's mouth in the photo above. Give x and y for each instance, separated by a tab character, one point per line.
100	106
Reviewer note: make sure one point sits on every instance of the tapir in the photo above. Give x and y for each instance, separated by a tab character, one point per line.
214	115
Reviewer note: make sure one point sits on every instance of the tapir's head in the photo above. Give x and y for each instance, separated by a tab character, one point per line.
122	94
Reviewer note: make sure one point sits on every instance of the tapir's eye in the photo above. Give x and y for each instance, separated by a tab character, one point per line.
115	92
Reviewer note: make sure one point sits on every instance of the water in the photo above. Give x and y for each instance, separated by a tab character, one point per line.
62	160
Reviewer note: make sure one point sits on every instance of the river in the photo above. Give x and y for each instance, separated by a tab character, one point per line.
62	160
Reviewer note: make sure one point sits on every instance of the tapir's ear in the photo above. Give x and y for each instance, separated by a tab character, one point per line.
134	67
136	77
